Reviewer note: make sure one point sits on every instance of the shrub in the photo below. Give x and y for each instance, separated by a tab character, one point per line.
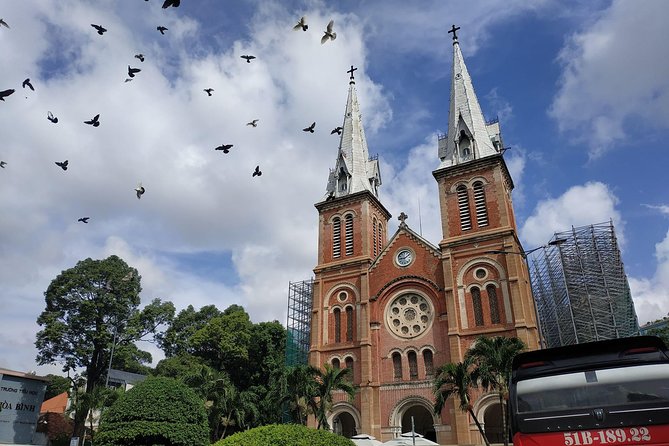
285	435
158	411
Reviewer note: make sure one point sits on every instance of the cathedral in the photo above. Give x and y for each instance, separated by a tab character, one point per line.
395	308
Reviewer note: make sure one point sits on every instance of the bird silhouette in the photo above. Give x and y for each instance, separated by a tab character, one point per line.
337	130
84	219
301	24
169	3
140	190
5	93
62	165
162	29
329	35
26	83
140	57
248	58
3	23
51	117
253	123
209	91
100	29
3	164
257	172
94	122
311	128
133	71
224	147
127	79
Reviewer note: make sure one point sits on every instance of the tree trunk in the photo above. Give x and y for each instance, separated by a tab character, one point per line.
505	423
478	425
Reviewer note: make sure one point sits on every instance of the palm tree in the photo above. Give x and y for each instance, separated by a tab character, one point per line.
329	380
300	389
493	357
456	380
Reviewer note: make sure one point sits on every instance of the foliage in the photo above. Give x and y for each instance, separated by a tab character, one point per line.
327	381
156	411
175	340
285	435
56	385
662	333
301	388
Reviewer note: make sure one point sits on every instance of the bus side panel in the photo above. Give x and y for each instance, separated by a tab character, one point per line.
657	435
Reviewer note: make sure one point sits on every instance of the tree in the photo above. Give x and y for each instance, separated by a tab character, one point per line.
493	357
175	340
56	385
90	308
456	380
285	435
301	388
329	380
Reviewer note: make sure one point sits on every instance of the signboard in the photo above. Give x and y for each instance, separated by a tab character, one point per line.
20	399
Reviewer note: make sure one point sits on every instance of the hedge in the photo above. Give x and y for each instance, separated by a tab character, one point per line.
285	435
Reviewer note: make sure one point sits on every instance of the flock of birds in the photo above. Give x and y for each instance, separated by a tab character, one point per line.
301	24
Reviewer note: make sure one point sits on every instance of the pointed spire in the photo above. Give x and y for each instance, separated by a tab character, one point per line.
469	136
354	171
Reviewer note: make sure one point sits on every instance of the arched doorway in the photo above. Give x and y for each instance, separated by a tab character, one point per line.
344	424
494	427
422	420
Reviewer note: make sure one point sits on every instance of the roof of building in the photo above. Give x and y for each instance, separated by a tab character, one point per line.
26	375
57	404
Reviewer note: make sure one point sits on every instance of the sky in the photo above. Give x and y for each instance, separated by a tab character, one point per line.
581	90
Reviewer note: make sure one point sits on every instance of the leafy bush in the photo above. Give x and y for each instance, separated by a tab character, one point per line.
285	435
158	411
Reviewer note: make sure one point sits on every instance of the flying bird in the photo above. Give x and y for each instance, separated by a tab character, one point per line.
253	123
100	29
248	58
140	190
127	79
140	57
169	3
3	164
162	29
328	33
51	117
208	91
5	93
84	219
62	165
257	172
26	83
133	71
224	147
3	23
337	130
94	122
301	24
311	128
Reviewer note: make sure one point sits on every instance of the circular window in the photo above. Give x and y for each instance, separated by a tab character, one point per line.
342	296
409	315
480	273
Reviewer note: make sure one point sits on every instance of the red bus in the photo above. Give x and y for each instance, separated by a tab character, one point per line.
613	392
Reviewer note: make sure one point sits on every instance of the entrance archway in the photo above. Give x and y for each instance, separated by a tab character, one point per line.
422	420
494	427
344	424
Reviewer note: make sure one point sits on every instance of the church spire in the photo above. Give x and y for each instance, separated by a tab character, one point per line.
354	171
469	136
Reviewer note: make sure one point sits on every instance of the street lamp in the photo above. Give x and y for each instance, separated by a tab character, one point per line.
524	254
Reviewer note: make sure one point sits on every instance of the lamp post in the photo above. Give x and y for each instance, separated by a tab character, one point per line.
524	254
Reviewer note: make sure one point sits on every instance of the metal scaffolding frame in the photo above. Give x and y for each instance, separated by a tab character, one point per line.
298	326
581	289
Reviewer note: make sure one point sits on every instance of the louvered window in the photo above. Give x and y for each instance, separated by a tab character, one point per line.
381	237
337	324
397	367
374	235
336	237
349	235
479	204
429	363
492	299
413	365
476	303
349	323
463	206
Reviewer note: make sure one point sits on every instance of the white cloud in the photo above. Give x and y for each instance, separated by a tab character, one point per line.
651	295
611	79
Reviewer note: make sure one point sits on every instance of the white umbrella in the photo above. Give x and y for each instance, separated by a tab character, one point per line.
365	440
406	440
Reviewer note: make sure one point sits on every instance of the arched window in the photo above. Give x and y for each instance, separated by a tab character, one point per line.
374	235
349	323
349	365
336	237
397	366
335	363
381	237
492	301
429	363
479	204
413	365
349	235
463	206
478	309
337	324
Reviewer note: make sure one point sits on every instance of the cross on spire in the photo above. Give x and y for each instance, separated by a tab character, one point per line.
351	73
402	217
453	30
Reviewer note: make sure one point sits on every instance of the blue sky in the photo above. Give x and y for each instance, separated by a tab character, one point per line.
581	90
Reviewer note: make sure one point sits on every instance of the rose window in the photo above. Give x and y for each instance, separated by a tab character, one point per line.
409	315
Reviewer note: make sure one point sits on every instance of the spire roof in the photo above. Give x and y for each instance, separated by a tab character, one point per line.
354	171
469	136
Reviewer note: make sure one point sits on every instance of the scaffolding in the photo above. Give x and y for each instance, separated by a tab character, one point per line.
300	297
580	287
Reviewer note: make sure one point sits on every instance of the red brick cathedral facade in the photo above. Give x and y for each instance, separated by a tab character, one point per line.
395	309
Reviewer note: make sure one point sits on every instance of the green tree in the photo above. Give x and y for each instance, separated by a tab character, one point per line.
285	435
89	308
56	385
328	381
662	333
493	357
175	340
456	380
301	388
